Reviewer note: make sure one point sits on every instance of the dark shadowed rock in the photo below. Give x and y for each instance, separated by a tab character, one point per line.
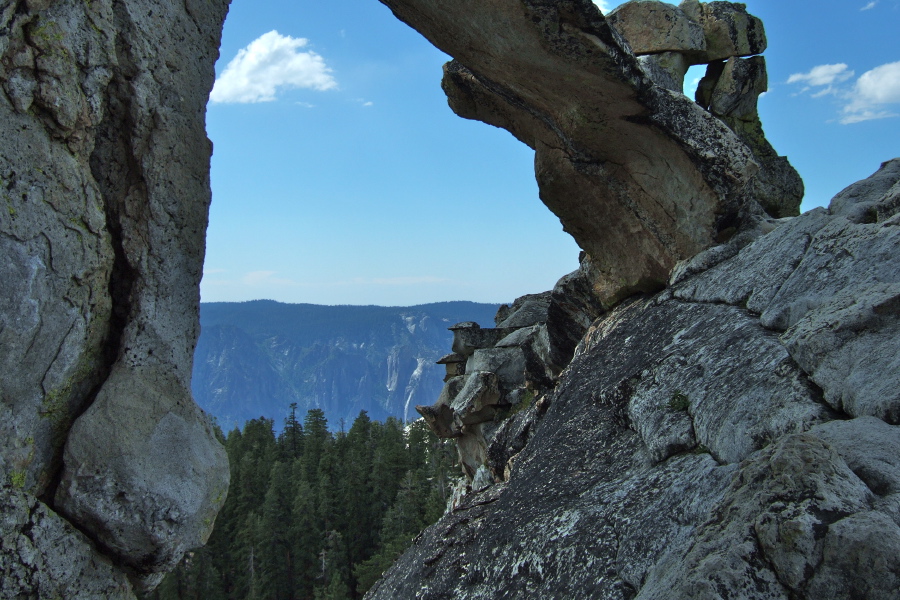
43	556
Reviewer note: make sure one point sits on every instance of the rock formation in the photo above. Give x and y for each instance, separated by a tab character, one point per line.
707	408
640	175
108	465
733	435
736	435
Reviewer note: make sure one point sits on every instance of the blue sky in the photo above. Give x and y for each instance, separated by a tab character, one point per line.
340	176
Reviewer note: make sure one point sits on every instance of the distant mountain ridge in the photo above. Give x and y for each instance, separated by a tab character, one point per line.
255	358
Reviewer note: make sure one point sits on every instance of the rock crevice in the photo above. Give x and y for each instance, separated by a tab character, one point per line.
104	174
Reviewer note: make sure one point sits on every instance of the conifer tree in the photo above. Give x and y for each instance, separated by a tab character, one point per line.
311	514
277	554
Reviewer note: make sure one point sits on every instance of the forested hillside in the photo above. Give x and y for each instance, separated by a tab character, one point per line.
312	514
256	358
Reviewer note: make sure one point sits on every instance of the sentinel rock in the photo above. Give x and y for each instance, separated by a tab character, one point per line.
104	173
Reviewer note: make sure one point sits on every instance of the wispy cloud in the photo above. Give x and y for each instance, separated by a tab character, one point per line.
822	75
402	280
873	94
269	64
870	97
870	5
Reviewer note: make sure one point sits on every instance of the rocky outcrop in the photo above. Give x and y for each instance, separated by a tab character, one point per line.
43	556
733	436
640	175
494	375
104	174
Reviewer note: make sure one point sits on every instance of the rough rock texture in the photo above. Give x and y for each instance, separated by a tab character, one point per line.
104	175
43	556
498	373
638	174
734	436
652	27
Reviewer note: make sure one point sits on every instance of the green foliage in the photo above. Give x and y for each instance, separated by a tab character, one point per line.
679	401
316	515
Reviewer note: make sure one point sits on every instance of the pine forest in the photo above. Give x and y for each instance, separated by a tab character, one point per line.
316	514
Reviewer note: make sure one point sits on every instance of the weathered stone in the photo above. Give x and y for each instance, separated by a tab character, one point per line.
731	92
454	364
472	450
652	26
639	175
104	170
832	324
470	336
507	362
667	69
157	495
525	311
43	556
688	452
728	28
873	199
439	416
573	307
767	538
476	401
737	89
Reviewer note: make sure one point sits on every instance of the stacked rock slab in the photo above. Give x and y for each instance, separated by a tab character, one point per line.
495	374
736	435
109	467
668	39
640	175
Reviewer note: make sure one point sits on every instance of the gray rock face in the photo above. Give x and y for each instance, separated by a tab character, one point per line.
639	175
734	436
43	556
652	27
728	28
148	502
104	174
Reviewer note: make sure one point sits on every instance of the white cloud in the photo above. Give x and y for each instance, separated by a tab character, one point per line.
603	5
870	5
268	64
874	90
822	75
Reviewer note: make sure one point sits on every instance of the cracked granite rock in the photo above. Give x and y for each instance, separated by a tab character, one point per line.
104	175
733	436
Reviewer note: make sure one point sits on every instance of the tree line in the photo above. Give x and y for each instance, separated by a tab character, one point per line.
316	515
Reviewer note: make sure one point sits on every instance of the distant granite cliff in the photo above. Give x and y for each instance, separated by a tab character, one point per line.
255	358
